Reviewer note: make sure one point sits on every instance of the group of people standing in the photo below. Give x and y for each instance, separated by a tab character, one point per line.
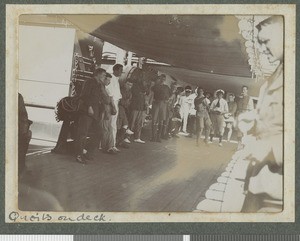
109	111
204	113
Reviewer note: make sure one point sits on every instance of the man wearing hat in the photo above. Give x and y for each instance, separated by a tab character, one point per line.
218	108
186	102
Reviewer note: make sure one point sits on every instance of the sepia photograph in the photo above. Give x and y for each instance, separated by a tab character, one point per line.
173	113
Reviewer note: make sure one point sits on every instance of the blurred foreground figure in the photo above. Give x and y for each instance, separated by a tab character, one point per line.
24	134
252	180
263	146
32	199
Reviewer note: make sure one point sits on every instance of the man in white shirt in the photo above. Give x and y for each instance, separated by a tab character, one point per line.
113	90
218	108
186	102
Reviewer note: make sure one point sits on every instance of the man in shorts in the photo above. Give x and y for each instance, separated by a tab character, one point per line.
203	121
161	94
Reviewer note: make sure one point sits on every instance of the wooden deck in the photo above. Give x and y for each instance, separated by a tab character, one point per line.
168	176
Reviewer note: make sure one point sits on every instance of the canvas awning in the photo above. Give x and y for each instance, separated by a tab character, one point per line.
208	44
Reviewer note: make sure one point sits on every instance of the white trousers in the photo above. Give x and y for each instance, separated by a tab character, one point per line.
114	121
184	114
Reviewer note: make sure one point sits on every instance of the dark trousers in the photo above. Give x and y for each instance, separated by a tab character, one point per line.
121	135
87	126
23	142
191	124
68	128
122	118
175	127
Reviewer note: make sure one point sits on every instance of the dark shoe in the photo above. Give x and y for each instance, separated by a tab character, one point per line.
80	159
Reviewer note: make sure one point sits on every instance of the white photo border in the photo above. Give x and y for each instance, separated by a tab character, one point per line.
13	11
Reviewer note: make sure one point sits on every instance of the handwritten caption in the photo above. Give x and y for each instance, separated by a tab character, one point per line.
47	217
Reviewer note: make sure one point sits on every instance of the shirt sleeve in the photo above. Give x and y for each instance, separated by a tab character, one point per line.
105	98
206	102
212	105
196	103
250	104
225	107
109	90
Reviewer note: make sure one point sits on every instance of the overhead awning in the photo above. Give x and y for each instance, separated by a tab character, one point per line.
205	48
205	43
